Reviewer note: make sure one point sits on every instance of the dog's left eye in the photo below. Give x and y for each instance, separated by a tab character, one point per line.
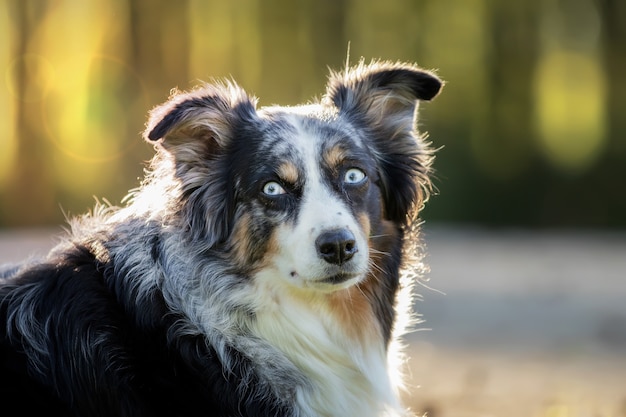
273	188
354	176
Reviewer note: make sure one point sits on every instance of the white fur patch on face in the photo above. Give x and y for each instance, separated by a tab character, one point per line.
298	259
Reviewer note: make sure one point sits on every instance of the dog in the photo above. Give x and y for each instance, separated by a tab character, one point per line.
258	270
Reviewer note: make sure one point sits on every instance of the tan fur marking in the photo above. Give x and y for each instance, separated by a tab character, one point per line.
240	239
241	244
364	221
334	156
353	310
288	172
379	247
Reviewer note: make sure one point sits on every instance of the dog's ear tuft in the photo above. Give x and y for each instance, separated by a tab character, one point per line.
365	84
383	98
207	113
382	89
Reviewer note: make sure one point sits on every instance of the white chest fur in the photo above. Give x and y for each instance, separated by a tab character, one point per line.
348	373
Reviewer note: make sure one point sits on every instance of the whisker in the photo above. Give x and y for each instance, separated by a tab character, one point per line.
375	266
380	252
361	291
379	236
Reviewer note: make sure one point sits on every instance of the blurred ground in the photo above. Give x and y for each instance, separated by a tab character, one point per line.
531	323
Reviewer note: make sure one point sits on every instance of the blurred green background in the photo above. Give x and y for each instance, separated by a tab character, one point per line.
531	122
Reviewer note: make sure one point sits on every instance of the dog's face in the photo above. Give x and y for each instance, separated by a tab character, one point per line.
307	196
310	189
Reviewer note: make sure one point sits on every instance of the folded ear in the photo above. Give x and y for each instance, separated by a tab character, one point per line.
195	128
383	98
381	88
204	116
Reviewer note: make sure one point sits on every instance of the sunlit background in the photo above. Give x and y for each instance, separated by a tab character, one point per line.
531	125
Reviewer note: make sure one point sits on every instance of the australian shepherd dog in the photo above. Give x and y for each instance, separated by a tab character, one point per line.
257	270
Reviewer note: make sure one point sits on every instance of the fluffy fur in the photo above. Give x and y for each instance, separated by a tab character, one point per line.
255	272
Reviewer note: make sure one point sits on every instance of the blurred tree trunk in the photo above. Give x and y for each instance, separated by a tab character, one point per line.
282	61
315	40
31	192
511	69
613	16
327	33
159	52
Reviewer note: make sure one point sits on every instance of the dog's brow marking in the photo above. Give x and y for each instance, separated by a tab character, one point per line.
334	155
288	172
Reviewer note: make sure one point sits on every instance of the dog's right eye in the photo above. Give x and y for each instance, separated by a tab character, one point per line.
273	188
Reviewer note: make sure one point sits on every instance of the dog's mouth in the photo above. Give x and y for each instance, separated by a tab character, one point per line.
337	279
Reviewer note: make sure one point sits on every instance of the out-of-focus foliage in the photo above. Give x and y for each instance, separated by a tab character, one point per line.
530	122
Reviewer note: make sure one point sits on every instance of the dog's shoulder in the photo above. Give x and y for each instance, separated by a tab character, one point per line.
90	322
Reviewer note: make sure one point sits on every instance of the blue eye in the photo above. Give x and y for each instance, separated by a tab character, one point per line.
354	176
273	188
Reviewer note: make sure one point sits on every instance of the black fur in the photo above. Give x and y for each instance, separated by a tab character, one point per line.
108	353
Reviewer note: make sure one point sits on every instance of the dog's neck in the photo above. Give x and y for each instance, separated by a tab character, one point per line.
336	342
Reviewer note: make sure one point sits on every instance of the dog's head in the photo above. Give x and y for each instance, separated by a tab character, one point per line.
307	195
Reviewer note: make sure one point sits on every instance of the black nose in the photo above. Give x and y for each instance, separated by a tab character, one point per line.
336	246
